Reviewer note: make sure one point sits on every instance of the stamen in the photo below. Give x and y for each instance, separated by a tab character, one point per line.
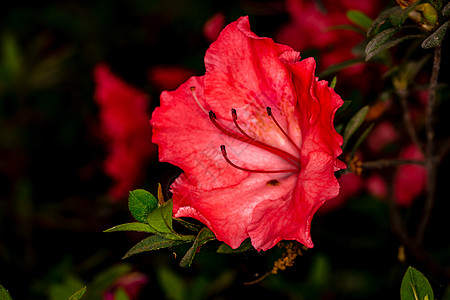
224	154
234	115
246	139
192	88
269	112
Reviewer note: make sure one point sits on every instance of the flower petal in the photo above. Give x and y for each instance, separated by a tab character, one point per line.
229	212
188	139
243	72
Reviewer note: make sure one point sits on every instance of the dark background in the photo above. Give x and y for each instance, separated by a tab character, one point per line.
53	203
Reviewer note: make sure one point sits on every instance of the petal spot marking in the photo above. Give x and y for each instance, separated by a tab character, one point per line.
273	182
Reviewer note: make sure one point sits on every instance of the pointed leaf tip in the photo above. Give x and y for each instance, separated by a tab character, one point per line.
415	286
359	18
78	294
141	203
160	220
153	242
380	39
4	294
436	37
205	235
354	124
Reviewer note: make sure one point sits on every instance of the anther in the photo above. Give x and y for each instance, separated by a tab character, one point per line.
212	116
234	114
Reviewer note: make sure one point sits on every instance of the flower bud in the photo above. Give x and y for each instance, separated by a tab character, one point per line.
424	14
428	13
406	3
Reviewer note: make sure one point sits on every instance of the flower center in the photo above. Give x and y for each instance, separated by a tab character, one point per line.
242	136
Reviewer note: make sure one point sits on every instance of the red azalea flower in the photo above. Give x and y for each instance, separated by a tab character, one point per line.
410	180
255	138
123	114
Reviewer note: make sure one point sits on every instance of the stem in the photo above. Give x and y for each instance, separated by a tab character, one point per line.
407	120
383	163
414	249
430	163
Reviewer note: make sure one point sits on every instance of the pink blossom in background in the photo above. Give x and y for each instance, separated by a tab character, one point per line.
350	186
376	186
383	134
249	170
168	77
131	283
213	26
124	120
409	180
312	27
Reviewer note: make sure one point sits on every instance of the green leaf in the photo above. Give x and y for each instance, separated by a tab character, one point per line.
350	27
225	249
379	40
161	220
359	18
4	294
333	82
205	235
415	286
141	203
361	139
153	242
136	226
381	19
78	294
188	225
12	59
446	10
391	44
354	124
398	17
436	37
